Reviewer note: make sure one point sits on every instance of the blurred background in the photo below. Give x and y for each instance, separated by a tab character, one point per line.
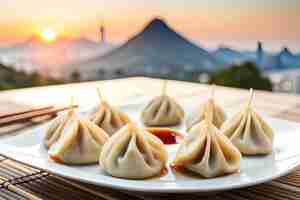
246	43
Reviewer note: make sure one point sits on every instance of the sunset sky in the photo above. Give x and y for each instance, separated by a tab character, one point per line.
237	23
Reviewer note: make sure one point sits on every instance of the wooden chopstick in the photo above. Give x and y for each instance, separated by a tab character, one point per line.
25	111
31	114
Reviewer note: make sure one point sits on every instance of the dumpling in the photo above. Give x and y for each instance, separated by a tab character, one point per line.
218	113
81	143
207	152
133	153
249	132
162	111
109	118
55	129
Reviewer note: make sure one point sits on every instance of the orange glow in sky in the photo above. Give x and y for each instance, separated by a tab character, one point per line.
200	20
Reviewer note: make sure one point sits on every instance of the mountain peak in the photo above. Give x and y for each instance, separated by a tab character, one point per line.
156	24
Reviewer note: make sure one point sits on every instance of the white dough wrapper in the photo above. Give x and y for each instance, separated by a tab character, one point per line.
249	133
81	143
56	127
207	152
133	153
162	111
109	118
218	115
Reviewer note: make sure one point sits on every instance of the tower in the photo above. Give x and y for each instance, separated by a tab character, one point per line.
102	34
259	53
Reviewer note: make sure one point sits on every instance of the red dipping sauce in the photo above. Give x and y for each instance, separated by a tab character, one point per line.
166	135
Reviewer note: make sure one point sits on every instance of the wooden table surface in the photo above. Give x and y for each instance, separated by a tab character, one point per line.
22	182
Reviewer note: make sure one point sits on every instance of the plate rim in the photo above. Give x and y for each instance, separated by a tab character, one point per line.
158	188
133	186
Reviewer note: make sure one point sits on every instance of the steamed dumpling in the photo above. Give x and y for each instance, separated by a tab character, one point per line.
162	111
109	118
81	143
217	113
249	132
133	153
207	152
55	129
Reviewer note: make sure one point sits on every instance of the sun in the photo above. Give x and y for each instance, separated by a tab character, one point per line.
48	35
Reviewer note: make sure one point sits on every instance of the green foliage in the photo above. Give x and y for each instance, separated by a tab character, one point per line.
12	79
246	76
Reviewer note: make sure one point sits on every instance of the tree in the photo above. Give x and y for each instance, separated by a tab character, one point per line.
245	75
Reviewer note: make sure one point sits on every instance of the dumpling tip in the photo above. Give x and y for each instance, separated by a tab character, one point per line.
131	126
99	94
212	91
164	87
208	112
250	98
72	105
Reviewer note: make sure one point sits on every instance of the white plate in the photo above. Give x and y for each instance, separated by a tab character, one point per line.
27	148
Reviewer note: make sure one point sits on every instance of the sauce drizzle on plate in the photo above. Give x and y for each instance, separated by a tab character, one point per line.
56	159
162	173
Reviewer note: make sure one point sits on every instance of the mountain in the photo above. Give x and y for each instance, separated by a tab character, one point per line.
80	46
269	62
283	60
49	58
288	59
264	60
157	47
227	56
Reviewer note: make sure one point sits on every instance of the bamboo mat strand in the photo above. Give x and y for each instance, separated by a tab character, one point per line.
8	195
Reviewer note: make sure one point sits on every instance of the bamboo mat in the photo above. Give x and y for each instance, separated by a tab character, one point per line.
18	181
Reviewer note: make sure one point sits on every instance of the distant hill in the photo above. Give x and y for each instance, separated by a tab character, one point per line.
264	60
227	57
49	58
157	47
288	59
32	43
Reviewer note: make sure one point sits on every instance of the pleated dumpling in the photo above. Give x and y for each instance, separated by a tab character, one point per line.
55	129
218	113
207	152
81	143
249	132
133	153
108	117
162	111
